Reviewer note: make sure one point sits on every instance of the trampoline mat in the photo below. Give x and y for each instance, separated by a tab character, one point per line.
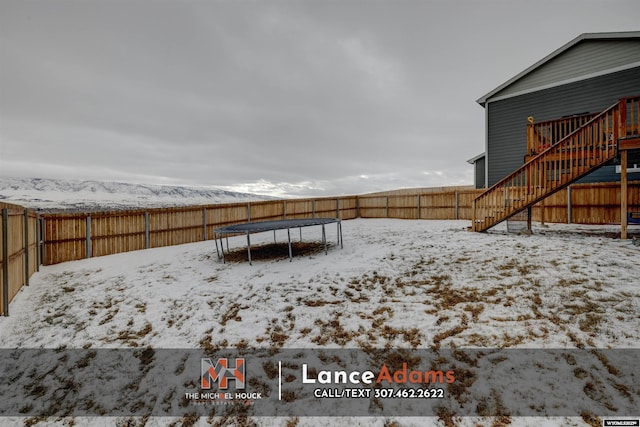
254	227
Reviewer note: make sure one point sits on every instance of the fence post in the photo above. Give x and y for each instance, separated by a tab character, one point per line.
42	241
88	244
204	223
387	208
357	206
5	262
419	207
146	229
569	213
38	239
473	215
457	206
26	247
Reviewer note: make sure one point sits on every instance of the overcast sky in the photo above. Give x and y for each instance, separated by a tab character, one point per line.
288	98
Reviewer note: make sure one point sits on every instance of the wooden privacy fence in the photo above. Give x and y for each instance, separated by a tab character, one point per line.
19	257
68	237
588	204
442	205
30	239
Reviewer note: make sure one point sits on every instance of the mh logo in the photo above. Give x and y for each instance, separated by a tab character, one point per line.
221	372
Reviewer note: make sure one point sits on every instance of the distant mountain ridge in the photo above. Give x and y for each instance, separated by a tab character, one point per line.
75	195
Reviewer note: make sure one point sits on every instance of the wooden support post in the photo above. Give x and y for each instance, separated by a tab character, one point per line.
38	239
146	230
26	247
531	145
42	241
387	208
529	214
473	216
623	194
88	242
204	223
457	206
542	209
5	262
419	207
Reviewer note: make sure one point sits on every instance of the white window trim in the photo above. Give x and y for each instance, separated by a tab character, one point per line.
632	169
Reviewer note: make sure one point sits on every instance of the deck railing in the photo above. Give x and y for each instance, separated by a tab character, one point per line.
542	135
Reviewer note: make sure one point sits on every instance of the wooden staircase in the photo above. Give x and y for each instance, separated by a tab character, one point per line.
559	153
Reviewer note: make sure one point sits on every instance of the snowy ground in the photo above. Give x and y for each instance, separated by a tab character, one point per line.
413	284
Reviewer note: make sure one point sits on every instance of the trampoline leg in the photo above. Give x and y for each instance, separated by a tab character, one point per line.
224	261
249	248
289	238
221	252
341	241
215	237
300	234
324	239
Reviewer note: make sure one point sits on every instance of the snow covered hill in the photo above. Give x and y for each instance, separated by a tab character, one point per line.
69	195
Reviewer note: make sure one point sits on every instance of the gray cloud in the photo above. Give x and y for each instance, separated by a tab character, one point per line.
285	97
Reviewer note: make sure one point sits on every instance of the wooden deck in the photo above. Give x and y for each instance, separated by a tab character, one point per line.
559	153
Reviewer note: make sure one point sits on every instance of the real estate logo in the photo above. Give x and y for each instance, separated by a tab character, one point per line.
222	372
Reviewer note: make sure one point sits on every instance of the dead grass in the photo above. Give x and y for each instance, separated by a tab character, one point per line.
232	313
438	338
211	347
333	331
288	395
591	419
292	422
446	415
131	337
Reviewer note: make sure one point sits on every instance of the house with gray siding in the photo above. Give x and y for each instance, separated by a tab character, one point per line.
478	163
586	75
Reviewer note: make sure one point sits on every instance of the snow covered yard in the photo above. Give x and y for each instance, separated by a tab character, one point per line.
410	284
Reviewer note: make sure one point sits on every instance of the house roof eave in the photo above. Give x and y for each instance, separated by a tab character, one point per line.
585	36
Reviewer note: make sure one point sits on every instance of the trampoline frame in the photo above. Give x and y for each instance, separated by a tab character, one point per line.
249	228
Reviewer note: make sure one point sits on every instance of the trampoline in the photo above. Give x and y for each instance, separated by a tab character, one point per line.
262	226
